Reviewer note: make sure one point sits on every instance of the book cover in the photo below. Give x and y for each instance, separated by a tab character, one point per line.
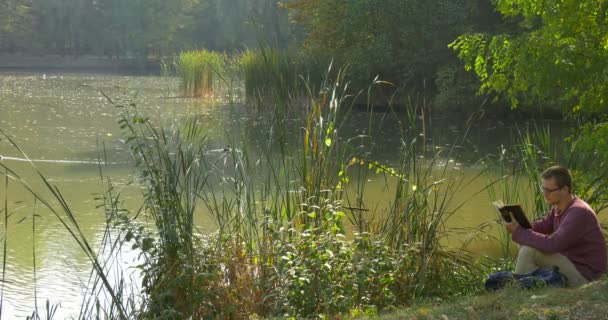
513	210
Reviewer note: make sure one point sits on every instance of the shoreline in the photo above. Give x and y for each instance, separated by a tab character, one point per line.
84	63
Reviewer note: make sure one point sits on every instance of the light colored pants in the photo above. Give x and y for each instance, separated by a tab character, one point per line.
530	259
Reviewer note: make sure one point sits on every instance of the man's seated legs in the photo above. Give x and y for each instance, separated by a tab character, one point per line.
530	259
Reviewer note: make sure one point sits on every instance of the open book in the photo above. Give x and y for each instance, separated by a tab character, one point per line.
515	210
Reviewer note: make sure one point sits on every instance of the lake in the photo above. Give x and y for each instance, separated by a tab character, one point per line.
64	123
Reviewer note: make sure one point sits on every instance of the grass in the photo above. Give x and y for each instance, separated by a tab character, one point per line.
543	303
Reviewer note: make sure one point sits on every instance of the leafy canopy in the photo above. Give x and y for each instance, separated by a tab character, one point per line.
560	51
403	41
560	54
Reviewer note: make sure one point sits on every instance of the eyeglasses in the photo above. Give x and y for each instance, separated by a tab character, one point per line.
545	190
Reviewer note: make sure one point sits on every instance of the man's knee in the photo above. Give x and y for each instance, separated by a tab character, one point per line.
527	252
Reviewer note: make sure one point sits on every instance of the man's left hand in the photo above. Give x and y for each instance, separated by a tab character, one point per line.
511	226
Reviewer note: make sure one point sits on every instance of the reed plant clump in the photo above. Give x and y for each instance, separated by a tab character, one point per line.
270	73
295	235
200	72
290	240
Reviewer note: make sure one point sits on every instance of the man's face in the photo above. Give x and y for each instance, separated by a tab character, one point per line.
553	192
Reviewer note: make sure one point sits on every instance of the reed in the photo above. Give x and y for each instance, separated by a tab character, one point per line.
5	238
200	71
283	217
426	182
273	73
283	221
173	179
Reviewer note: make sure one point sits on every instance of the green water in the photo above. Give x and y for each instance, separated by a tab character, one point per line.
63	122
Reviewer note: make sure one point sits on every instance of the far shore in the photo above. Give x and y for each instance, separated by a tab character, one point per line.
78	63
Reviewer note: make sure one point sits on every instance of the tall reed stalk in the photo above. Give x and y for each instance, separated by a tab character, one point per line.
5	238
171	172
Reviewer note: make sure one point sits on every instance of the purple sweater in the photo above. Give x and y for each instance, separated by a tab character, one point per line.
574	233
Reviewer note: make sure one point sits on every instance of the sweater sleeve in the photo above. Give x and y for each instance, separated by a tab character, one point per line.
569	232
544	225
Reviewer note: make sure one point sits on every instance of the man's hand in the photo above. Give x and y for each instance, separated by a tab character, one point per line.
511	226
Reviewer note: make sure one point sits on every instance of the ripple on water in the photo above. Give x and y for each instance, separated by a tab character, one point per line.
56	118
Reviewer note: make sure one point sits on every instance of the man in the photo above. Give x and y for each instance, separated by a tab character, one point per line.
569	237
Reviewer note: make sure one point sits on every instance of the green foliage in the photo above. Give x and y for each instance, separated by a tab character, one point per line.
559	53
15	20
234	25
587	157
316	273
558	56
403	42
138	29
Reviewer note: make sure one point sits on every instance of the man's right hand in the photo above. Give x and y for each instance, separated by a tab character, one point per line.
513	225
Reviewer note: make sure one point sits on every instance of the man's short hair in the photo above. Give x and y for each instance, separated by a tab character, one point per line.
562	176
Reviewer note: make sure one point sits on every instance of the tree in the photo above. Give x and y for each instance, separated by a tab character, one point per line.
560	50
559	54
138	28
15	23
229	25
403	41
142	28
